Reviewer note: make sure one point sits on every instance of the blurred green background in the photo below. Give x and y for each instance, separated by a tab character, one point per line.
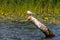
16	10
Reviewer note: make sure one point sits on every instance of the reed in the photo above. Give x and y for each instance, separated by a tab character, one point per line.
16	10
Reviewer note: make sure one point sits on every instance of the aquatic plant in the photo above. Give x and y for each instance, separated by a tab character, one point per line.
16	10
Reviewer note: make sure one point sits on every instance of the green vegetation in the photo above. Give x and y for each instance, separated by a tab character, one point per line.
16	10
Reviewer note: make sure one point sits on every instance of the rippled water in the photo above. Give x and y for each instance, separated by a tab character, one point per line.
26	31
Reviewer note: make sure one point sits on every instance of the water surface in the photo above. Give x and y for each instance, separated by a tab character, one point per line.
26	31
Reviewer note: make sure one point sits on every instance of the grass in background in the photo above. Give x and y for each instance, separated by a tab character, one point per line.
16	10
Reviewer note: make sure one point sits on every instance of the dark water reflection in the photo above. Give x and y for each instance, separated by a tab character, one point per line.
26	31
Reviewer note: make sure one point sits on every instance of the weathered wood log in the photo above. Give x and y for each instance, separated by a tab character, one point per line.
41	26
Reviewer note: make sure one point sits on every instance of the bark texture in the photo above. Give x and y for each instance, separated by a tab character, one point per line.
41	26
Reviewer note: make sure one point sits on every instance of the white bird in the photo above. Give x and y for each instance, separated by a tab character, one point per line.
29	12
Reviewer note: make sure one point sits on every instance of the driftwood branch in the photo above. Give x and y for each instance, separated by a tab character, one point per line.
41	26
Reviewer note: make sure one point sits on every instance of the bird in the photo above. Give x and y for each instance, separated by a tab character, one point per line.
29	12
